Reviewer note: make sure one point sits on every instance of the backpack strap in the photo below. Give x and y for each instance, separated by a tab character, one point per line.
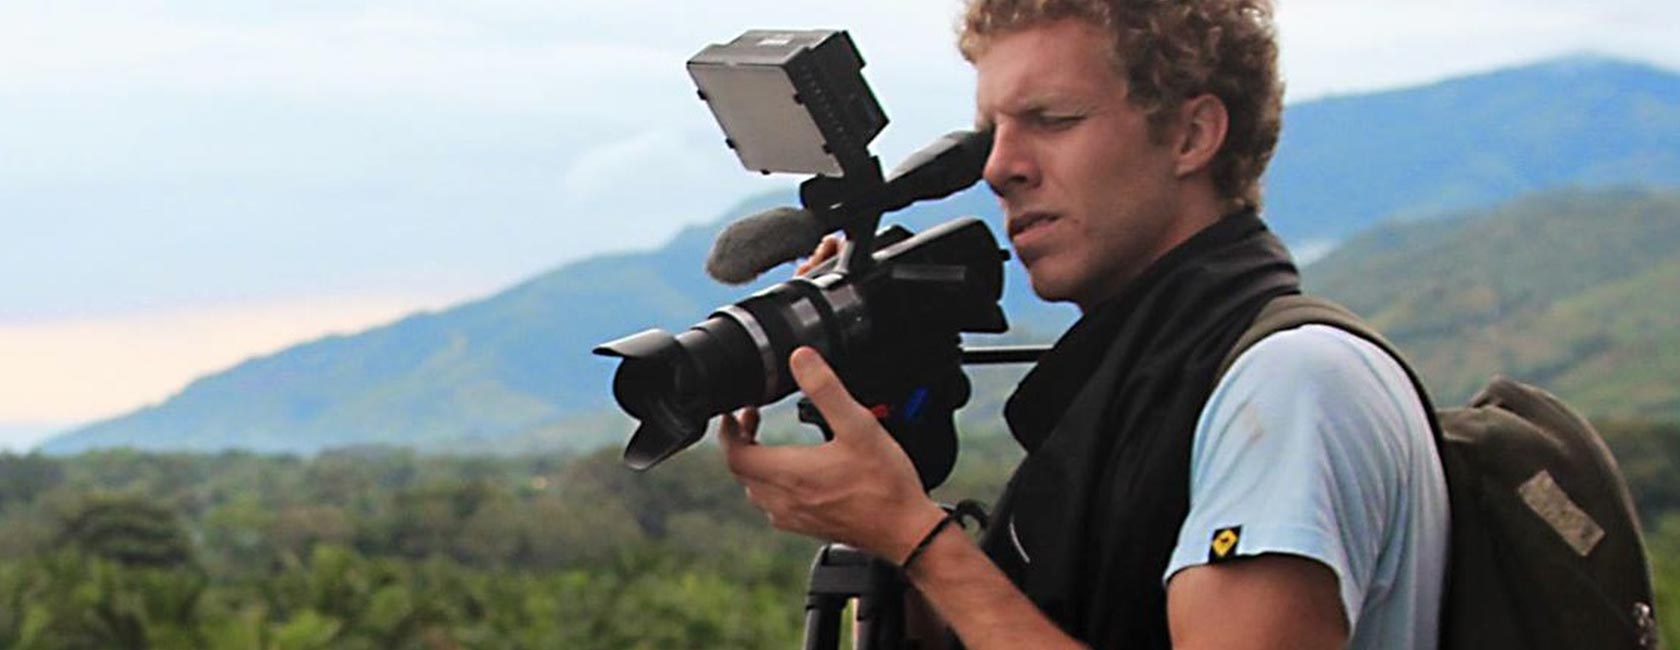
1289	312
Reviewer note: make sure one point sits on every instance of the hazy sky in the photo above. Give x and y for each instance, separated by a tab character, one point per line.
185	184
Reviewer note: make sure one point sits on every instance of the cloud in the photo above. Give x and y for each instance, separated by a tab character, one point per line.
1341	46
603	170
377	54
637	190
516	54
509	56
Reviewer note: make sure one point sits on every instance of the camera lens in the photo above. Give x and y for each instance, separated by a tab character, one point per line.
673	384
735	358
895	323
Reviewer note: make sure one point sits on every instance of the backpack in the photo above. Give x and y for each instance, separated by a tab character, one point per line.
1545	547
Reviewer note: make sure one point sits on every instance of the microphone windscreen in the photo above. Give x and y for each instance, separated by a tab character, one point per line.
759	242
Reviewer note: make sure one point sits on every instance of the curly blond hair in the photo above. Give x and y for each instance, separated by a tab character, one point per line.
1169	51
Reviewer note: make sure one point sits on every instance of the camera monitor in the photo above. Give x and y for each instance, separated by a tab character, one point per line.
791	101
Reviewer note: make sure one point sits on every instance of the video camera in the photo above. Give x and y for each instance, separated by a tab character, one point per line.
887	313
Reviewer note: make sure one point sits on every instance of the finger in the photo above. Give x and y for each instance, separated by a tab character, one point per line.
825	249
828	247
778	466
749	417
739	428
817	380
729	431
752	462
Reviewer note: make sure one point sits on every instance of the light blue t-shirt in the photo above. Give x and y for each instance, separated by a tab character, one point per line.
1314	444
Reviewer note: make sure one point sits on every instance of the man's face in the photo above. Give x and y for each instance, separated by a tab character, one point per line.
1088	196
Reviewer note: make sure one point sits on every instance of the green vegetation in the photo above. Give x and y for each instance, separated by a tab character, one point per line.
383	548
1649	455
380	548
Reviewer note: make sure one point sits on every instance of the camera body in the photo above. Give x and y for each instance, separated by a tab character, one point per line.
887	314
892	333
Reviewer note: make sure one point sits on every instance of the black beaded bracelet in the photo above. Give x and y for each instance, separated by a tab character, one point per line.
965	509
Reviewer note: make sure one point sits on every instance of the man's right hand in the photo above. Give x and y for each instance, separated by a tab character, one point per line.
859	489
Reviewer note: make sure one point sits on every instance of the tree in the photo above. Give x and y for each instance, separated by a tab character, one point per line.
128	529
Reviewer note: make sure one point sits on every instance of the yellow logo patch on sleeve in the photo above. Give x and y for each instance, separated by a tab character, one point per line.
1224	544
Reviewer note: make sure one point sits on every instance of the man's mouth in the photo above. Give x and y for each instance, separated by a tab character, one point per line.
1026	222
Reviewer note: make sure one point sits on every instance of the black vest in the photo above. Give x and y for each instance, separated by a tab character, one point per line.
1107	417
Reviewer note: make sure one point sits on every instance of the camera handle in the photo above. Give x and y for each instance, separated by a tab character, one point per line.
917	405
920	416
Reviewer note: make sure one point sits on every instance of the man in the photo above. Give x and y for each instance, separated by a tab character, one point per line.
1294	502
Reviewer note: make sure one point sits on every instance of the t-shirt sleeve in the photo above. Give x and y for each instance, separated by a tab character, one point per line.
1297	452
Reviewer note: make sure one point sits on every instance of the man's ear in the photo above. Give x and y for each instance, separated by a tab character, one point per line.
1204	122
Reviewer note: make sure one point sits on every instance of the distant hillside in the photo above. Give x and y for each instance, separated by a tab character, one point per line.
1345	163
517	362
1577	291
476	372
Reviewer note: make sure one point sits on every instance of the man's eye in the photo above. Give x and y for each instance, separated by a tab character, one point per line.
1057	121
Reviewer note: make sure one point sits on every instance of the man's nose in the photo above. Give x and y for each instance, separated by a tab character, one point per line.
1011	165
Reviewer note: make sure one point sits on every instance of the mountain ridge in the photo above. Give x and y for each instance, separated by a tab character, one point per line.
1473	141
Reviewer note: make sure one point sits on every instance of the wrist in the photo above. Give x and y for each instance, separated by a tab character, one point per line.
940	548
914	530
956	517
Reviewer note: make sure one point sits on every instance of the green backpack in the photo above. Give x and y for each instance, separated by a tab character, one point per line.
1546	549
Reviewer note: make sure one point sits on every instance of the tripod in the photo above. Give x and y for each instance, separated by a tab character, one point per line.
840	574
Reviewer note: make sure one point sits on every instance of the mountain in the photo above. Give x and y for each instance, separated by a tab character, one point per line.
470	377
1346	163
1571	290
482	370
